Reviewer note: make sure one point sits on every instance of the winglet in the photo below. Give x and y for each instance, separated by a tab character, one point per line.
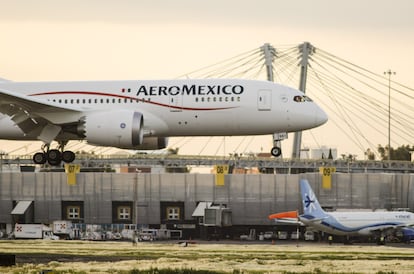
311	206
284	215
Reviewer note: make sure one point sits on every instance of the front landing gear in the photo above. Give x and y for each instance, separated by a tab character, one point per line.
276	150
54	156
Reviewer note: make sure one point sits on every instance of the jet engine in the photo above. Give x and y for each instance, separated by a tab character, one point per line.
116	128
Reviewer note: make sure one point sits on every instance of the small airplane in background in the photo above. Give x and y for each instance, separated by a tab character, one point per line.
143	114
349	223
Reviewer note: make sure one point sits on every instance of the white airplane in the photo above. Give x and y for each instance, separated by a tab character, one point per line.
143	114
349	223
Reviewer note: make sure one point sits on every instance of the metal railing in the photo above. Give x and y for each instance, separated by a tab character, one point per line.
262	163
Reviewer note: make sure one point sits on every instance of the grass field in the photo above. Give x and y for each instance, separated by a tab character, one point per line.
34	256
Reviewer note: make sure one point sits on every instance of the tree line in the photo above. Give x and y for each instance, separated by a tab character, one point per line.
401	153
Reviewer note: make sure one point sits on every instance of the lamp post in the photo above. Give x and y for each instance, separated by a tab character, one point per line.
389	73
2	153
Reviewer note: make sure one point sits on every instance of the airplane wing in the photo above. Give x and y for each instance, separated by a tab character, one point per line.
36	118
314	220
288	221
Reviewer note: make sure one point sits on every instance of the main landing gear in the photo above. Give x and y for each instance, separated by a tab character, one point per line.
54	156
276	150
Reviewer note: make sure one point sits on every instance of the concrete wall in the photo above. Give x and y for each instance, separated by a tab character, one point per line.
251	197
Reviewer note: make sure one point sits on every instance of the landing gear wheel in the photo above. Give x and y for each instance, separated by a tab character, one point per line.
39	158
276	151
68	156
54	157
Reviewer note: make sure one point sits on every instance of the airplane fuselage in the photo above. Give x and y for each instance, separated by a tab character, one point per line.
359	223
207	107
350	223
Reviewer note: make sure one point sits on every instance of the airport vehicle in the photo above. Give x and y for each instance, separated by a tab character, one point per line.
309	235
282	235
33	231
141	115
147	234
350	223
64	229
295	235
269	235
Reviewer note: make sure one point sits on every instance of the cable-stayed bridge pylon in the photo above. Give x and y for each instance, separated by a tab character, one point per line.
355	98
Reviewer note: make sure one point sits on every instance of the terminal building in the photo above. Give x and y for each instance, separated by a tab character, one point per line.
179	200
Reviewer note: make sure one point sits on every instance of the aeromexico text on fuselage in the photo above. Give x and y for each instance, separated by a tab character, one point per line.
144	90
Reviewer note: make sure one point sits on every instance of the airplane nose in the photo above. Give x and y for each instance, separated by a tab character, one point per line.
320	117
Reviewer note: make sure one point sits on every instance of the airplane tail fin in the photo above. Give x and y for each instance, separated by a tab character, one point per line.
311	207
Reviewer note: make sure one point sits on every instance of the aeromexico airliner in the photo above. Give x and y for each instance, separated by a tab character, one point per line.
343	223
143	114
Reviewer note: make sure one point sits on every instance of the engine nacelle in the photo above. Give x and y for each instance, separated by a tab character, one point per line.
116	128
151	143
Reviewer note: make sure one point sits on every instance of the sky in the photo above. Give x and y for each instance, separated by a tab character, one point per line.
53	40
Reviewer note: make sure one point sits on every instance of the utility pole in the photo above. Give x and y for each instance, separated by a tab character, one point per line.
2	154
305	49
389	73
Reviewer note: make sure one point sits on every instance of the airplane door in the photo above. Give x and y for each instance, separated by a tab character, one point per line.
264	99
176	103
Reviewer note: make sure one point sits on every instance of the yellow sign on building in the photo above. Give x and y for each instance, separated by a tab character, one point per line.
220	171
327	176
71	171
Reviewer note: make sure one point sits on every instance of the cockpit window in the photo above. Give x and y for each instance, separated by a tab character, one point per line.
302	98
